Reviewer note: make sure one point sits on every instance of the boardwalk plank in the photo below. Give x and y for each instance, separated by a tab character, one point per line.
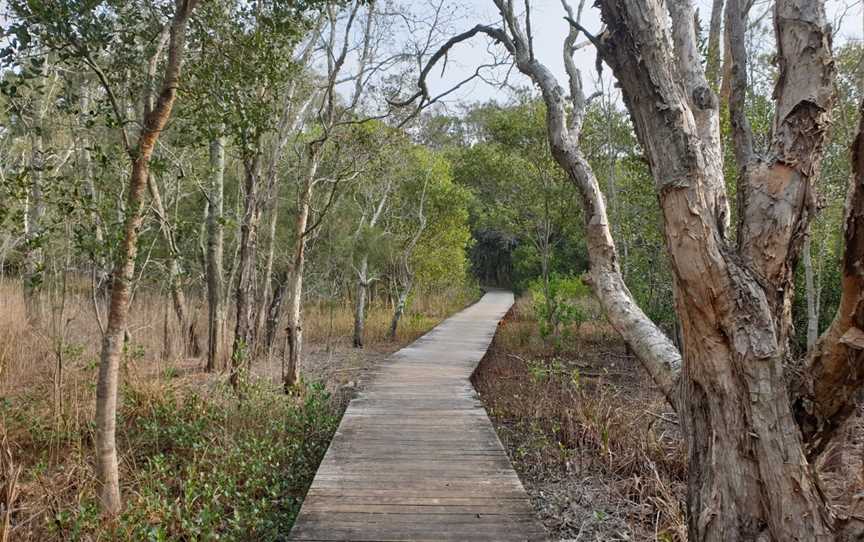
415	457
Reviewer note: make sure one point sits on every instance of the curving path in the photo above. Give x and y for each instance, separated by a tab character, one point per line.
416	457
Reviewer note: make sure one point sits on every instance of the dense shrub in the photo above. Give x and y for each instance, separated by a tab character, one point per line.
214	467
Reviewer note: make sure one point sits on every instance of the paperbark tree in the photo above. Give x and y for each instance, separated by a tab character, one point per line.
330	116
750	470
405	273
112	342
362	270
215	255
735	329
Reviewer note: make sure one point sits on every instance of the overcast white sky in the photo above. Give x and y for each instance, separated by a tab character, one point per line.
550	29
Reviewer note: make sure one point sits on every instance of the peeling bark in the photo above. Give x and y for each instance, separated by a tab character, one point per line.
825	390
749	477
112	341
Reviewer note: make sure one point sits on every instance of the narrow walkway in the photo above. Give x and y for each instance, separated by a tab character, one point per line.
416	457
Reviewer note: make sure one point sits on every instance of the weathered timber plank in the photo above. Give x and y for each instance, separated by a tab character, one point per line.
415	457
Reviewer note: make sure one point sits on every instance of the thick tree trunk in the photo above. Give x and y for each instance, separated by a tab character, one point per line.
826	390
112	341
749	477
215	249
245	298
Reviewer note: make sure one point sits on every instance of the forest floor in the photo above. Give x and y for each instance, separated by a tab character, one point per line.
197	461
596	446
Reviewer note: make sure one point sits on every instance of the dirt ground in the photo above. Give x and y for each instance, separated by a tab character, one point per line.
597	448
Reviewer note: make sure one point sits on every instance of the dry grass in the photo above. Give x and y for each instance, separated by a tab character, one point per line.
595	444
333	323
597	447
47	401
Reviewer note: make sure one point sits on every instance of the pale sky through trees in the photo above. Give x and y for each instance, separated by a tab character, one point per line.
550	29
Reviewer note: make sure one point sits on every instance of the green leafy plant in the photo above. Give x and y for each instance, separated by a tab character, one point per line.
557	303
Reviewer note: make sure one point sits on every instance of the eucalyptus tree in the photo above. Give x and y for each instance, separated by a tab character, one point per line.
752	437
355	45
373	198
252	103
81	33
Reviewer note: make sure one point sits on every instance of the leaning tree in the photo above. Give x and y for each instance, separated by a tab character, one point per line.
755	419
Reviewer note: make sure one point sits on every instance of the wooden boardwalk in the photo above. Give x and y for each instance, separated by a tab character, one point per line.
416	457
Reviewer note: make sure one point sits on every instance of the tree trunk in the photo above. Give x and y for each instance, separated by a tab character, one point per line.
274	310
827	388
112	341
265	298
400	309
244	326
360	302
191	345
810	291
215	248
86	166
295	286
714	61
34	259
749	478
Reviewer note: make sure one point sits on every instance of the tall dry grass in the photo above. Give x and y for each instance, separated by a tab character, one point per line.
594	426
333	322
48	374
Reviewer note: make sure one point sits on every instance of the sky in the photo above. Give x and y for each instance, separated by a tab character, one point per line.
549	32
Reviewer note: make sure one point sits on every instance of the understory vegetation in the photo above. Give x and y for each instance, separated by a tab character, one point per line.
595	443
218	218
198	462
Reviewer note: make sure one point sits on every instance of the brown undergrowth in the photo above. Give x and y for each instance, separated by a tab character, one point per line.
596	446
197	463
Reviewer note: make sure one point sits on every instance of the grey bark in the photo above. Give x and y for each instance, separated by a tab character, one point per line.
112	342
215	256
244	332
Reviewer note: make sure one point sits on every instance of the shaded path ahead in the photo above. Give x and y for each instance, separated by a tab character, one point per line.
416	457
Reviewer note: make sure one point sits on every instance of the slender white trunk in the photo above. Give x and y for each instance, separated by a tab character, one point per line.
215	248
360	301
295	286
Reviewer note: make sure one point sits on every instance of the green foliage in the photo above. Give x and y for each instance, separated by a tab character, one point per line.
524	212
557	303
214	468
440	257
